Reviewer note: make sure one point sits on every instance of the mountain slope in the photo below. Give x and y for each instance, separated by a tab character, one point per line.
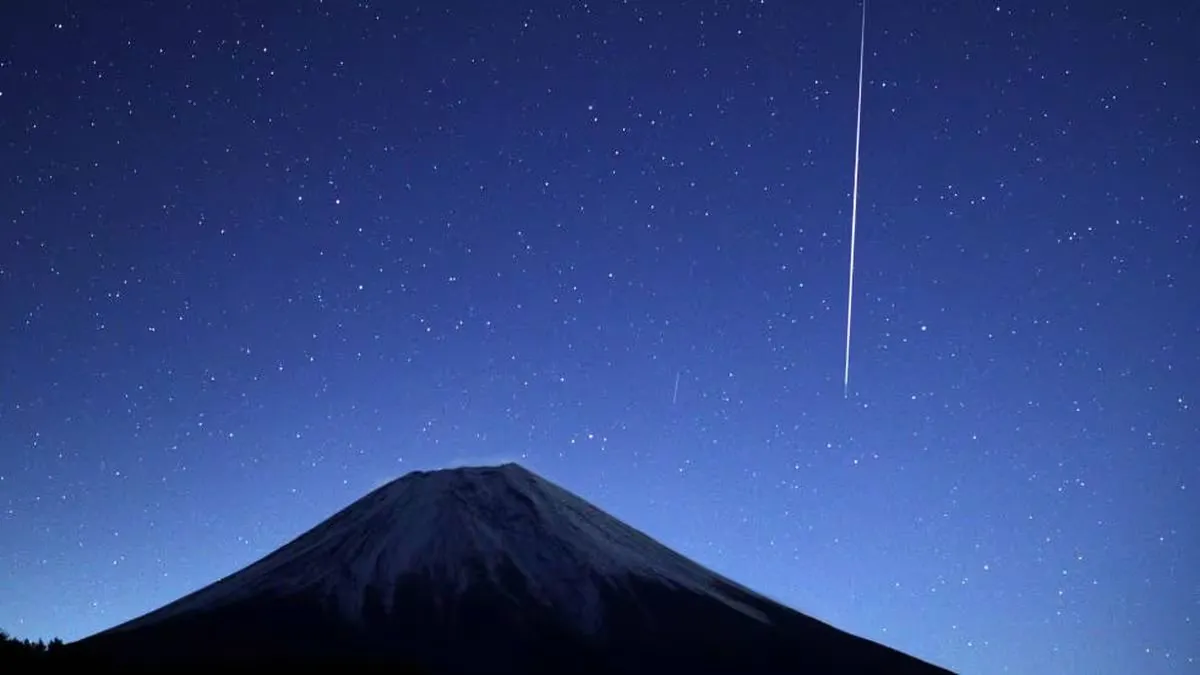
489	570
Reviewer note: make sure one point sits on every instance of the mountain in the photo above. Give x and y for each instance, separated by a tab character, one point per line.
485	570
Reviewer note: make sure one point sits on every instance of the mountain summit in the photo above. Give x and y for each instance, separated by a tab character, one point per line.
487	570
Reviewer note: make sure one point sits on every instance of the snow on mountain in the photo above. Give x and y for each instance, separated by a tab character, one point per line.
433	523
485	570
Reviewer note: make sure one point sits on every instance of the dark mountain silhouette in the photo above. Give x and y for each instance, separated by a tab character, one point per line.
484	570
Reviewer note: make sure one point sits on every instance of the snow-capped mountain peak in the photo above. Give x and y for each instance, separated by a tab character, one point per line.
485	570
446	525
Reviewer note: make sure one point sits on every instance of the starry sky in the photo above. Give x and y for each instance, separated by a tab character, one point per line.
258	258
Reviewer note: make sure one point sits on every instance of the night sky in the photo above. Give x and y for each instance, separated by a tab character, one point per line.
257	258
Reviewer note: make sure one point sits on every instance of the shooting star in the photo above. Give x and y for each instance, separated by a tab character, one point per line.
862	51
675	394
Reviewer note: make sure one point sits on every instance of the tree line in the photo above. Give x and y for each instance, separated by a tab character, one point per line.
18	656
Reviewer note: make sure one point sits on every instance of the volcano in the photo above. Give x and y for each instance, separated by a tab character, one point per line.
485	570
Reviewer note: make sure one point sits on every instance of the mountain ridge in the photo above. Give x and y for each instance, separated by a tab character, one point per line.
440	568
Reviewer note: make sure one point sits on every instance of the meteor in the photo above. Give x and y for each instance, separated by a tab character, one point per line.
862	51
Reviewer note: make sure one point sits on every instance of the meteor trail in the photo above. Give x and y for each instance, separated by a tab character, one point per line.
675	394
862	51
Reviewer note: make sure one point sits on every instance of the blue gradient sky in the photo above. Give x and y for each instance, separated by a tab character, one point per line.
257	258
